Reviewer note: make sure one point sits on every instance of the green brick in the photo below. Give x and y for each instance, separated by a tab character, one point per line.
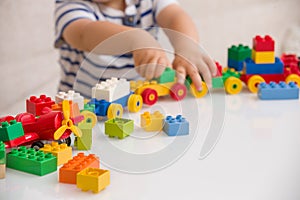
10	131
217	82
31	161
239	53
85	141
89	107
2	153
229	73
167	76
119	127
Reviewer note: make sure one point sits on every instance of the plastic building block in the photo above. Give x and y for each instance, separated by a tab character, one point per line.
119	127
152	122
237	65
31	161
36	105
239	53
217	82
10	131
111	89
267	77
89	107
219	67
273	68
93	179
62	152
2	160
85	141
263	43
176	126
167	76
230	73
289	60
75	97
261	57
274	91
68	172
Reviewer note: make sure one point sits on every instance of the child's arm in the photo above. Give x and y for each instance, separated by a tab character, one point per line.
85	34
184	37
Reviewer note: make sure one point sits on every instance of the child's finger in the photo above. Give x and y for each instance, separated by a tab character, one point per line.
180	73
141	70
205	72
150	69
162	63
211	65
196	78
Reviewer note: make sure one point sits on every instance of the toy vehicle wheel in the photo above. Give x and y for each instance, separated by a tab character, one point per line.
37	145
178	91
233	85
253	83
293	78
66	140
199	94
88	115
135	103
149	96
114	110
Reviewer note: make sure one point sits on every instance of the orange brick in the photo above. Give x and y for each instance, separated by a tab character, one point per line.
68	172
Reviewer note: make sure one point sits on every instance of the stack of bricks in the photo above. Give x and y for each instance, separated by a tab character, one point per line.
263	58
237	55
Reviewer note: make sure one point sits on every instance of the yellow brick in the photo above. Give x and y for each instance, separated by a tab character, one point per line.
93	179
262	57
62	152
152	122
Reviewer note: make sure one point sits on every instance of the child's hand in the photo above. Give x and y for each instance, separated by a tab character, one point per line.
192	62
150	62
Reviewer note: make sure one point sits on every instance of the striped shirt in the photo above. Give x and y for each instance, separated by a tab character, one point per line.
82	70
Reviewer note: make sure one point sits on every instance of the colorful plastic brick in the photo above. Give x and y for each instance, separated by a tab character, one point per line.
119	127
280	91
62	152
10	131
176	126
36	105
273	68
167	76
93	179
68	172
2	160
85	141
31	161
263	57
152	122
289	60
89	107
230	73
111	89
263	43
75	97
239	53
219	67
237	65
217	82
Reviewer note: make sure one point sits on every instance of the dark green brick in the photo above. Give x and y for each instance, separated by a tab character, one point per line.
239	53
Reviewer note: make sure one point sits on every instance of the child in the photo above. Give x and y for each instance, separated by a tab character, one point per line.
125	33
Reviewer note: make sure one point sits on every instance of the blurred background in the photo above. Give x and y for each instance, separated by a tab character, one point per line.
29	61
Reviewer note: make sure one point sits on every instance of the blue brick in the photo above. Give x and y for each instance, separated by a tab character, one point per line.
237	65
123	100
272	68
274	91
101	106
176	126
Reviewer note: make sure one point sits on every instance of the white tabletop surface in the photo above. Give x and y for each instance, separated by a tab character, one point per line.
257	156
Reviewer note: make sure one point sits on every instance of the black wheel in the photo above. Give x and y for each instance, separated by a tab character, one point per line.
66	140
37	145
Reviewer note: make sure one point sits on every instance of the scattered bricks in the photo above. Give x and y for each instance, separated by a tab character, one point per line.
75	97
119	127
2	160
239	53
68	172
62	152
167	76
272	68
93	179
263	43
280	91
261	57
31	161
152	122
176	126
85	141
36	105
10	131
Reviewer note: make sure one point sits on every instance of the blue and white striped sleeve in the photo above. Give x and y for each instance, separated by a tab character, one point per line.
159	5
68	12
